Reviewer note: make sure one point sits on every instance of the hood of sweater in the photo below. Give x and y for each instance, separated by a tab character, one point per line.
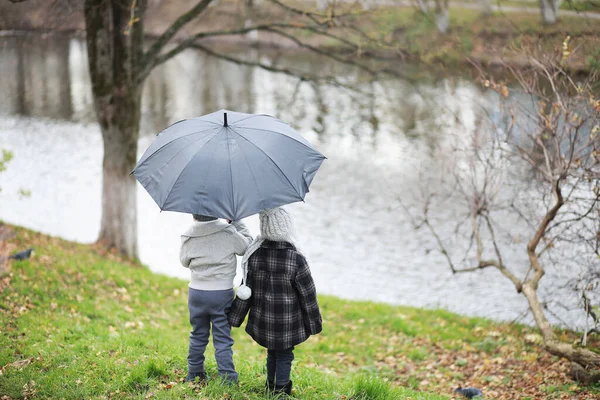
206	228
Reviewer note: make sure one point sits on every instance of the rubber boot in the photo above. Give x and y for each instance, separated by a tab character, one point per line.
191	377
269	385
286	389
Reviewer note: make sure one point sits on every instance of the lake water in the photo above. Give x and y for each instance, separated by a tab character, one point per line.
359	240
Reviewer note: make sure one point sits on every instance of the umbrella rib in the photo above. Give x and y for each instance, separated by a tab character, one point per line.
230	172
279	133
245	118
181	172
269	157
166	163
210	122
169	142
262	115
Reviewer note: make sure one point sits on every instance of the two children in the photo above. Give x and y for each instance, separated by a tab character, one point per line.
283	304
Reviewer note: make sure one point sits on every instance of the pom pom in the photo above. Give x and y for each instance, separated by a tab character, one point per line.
243	292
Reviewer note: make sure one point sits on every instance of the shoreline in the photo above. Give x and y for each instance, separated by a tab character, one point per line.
440	308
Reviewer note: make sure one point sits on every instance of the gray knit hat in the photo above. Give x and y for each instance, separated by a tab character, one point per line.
203	218
276	224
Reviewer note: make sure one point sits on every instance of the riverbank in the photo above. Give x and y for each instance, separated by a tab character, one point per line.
79	322
508	37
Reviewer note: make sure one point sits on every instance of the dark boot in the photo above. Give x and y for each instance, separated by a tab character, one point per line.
191	376
269	385
286	389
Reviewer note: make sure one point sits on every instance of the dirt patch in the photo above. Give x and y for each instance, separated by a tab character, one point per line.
6	233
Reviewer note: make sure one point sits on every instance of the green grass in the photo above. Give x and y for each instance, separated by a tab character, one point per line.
78	322
509	35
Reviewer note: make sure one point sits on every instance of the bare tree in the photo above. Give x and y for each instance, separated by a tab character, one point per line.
552	128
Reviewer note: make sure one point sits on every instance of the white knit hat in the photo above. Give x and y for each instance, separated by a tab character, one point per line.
277	225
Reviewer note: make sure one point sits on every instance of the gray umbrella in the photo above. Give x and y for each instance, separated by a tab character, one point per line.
228	165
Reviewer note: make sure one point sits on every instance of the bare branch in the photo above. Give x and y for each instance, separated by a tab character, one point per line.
286	71
440	243
319	19
161	42
330	19
494	241
579	217
191	43
317	50
539	234
271	27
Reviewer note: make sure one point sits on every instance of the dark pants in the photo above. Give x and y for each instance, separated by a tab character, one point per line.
279	366
210	307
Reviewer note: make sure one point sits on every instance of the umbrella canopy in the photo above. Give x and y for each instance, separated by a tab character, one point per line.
228	165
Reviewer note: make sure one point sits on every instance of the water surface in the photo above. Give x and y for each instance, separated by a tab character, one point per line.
359	240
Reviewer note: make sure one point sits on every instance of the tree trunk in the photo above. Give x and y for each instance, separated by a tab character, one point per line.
63	75
423	6
21	102
120	126
322	5
586	363
442	20
252	36
486	7
549	10
114	41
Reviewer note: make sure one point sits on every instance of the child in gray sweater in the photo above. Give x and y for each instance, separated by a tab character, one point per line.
208	249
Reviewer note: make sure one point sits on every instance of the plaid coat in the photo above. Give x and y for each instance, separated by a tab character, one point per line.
283	307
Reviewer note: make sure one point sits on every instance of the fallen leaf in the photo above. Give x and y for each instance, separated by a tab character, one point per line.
21	363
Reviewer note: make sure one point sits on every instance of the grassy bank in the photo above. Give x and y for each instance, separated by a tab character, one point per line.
78	322
500	38
404	32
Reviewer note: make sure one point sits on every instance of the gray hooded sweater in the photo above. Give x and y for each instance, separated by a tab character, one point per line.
208	249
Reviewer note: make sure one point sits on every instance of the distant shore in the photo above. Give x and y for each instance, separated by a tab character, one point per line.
402	33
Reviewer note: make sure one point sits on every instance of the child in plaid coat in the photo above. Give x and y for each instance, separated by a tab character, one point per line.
283	304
